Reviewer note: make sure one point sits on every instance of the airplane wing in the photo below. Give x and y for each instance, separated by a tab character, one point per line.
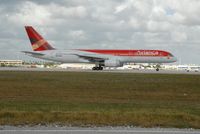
92	58
32	53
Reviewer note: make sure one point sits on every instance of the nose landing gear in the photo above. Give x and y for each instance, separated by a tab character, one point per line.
97	68
158	66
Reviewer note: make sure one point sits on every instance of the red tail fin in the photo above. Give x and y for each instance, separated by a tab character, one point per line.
37	41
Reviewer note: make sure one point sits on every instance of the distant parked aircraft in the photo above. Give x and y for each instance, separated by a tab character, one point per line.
101	58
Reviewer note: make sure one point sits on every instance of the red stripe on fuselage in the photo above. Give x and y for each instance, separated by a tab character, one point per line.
153	53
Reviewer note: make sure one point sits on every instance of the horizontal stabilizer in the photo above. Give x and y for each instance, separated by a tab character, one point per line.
32	53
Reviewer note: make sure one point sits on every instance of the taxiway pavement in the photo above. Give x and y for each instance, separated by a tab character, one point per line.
93	130
104	71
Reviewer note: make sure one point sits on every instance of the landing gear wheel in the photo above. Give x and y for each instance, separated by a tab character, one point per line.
100	68
94	68
157	69
97	68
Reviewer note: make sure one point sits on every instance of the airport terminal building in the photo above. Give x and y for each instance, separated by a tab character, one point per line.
11	63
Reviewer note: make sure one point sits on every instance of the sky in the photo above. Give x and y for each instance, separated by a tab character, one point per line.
171	25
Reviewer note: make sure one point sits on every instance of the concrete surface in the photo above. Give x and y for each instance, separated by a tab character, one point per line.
106	71
92	130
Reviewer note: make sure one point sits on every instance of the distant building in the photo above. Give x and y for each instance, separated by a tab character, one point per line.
76	66
11	62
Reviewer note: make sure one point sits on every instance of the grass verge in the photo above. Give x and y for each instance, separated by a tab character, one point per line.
73	98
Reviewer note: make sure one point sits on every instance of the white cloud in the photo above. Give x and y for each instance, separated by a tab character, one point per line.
157	26
120	8
158	13
62	11
77	34
31	14
134	23
178	36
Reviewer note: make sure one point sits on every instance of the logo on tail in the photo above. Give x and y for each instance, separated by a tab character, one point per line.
37	41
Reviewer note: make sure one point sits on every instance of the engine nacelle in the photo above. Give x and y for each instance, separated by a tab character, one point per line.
113	63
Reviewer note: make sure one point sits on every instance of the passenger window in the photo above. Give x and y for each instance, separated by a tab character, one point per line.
58	55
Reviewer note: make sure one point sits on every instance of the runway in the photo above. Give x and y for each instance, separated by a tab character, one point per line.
104	71
95	130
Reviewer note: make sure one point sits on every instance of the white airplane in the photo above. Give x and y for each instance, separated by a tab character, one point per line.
101	58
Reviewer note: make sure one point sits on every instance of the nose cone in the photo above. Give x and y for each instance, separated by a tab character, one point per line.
174	59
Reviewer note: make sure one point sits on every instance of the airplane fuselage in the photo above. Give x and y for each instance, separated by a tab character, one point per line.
123	56
107	58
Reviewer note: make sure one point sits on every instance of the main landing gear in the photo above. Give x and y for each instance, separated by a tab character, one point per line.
97	68
158	66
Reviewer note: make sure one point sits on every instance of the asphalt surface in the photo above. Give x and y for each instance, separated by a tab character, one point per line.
107	71
94	130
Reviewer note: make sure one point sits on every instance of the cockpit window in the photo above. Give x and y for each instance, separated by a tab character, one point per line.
171	55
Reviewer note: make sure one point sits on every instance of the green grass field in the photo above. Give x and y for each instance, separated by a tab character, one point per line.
117	99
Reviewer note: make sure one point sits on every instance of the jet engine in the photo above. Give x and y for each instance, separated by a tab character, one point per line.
112	63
